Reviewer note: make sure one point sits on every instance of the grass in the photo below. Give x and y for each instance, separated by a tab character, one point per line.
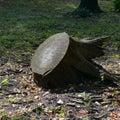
24	24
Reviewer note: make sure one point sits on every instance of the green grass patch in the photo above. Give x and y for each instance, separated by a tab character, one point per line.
24	24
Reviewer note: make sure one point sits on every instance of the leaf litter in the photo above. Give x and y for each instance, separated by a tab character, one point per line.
90	100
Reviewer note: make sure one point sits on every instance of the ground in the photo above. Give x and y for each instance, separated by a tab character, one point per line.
91	99
27	24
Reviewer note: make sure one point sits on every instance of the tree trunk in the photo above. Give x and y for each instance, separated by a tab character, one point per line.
91	5
87	7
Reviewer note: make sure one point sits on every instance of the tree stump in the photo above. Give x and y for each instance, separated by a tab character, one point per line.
61	59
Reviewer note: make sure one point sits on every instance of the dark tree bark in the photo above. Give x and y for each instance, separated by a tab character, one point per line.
91	5
87	7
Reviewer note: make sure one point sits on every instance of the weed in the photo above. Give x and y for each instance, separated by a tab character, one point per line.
11	99
4	82
86	98
4	117
19	118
